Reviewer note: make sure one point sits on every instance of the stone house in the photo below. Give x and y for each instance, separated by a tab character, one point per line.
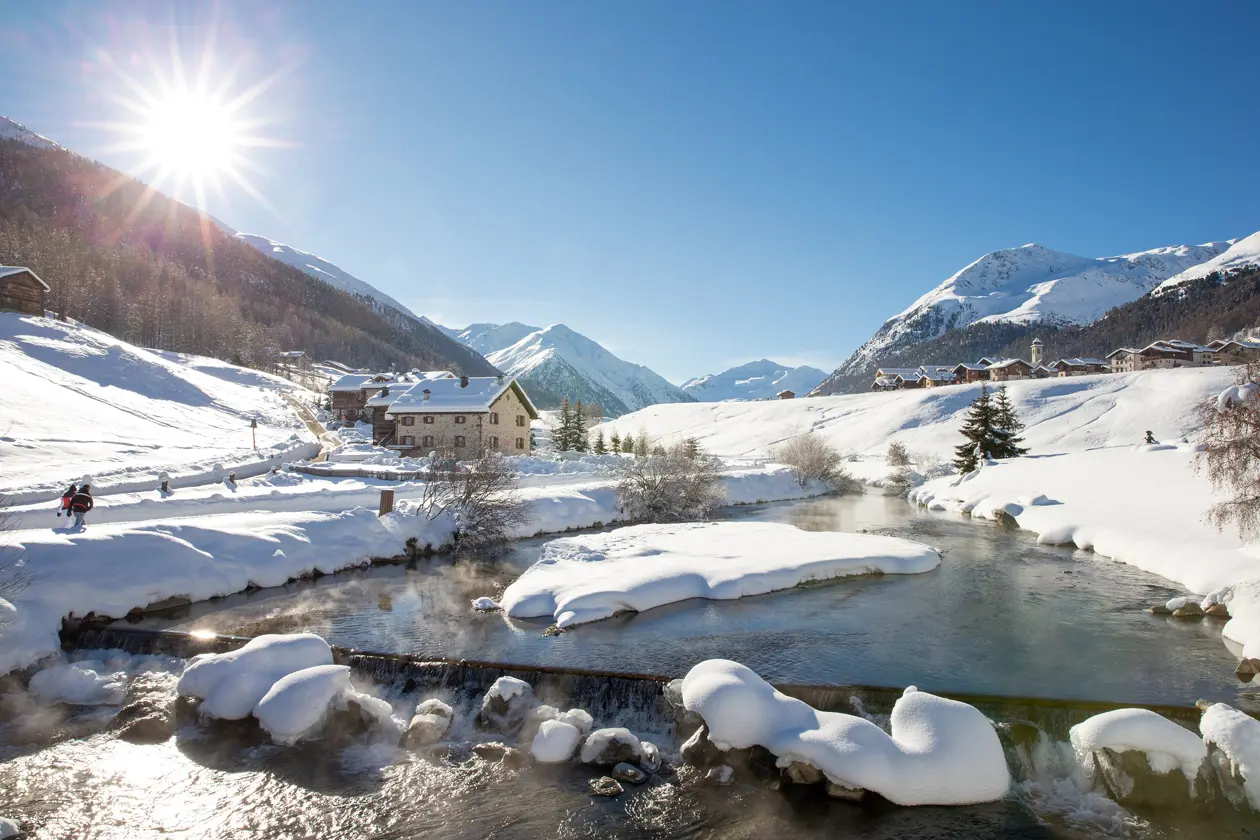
1009	369
21	290
1231	351
1158	355
464	417
356	396
1080	367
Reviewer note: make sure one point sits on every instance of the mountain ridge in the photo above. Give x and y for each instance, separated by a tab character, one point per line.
756	380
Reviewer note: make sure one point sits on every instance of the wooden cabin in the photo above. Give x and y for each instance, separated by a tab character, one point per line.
787	394
21	290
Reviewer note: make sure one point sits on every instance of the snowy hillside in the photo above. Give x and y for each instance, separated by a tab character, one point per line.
1024	285
317	267
76	401
1241	252
1062	415
556	362
759	380
490	338
10	130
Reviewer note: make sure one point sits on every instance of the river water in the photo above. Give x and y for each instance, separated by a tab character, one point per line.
1002	617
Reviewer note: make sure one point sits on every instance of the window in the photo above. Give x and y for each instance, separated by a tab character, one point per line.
459	418
494	418
520	420
408	420
494	442
428	440
459	441
520	443
407	441
428	418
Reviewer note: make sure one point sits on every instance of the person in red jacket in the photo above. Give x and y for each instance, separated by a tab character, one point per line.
81	503
65	499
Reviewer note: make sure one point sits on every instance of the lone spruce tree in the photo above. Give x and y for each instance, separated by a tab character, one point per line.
577	433
562	434
614	443
598	446
1007	427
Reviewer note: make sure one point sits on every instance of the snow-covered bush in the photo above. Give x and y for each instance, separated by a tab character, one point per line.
898	455
813	459
670	488
482	495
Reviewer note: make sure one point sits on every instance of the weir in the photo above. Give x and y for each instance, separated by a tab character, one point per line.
626	696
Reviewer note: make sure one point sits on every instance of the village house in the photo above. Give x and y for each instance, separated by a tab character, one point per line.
350	393
967	373
465	417
1080	367
890	379
1008	370
1157	355
786	394
1232	352
21	290
934	376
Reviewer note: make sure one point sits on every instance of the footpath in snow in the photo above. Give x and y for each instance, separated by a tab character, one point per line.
76	402
595	576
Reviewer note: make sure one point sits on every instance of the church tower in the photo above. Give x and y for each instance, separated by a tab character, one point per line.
1036	352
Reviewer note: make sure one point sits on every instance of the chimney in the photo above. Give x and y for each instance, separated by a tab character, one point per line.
500	379
463	382
385	391
427	392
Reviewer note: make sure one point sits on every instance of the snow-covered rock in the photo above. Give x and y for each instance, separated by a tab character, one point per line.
1025	285
610	747
579	718
759	380
1166	745
232	684
297	705
555	742
1237	735
83	683
8	828
505	705
594	576
430	723
940	752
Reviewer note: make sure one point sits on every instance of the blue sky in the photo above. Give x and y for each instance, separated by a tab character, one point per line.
692	184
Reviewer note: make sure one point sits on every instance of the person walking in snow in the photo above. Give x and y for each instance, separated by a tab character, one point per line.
80	503
65	499
1150	438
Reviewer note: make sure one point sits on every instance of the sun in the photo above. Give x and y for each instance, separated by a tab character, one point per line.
192	136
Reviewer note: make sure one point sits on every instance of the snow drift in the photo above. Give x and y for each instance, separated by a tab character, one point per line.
939	752
590	577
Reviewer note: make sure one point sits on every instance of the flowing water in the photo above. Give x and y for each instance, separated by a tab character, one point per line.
1002	619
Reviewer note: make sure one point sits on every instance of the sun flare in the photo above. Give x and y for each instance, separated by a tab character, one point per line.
192	136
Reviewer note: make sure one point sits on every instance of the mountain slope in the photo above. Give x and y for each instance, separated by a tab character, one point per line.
1242	252
759	380
490	338
556	362
1031	284
155	272
10	130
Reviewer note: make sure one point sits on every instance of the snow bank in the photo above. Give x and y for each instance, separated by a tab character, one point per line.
1167	746
82	683
1238	736
594	576
940	752
232	684
298	704
1145	508
77	400
555	742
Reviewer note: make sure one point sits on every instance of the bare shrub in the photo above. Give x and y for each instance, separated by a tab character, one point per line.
671	487
1230	453
898	455
481	494
810	457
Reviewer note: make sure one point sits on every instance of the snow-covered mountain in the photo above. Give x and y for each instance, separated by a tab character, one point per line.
759	380
10	130
1024	285
1241	252
556	362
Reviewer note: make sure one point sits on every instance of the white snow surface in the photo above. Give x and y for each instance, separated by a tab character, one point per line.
83	683
594	576
940	751
297	704
490	338
1026	285
76	400
10	130
564	362
1241	252
8	828
1238	736
232	684
759	380
1167	745
555	742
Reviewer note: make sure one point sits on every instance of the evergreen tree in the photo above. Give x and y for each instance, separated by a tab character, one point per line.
978	430
691	449
627	444
577	433
1007	426
598	446
614	442
562	434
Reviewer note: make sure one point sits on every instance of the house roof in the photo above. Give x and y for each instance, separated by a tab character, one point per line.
939	376
896	371
1079	362
1005	363
986	361
911	376
7	270
969	366
937	368
1119	350
351	382
886	381
451	396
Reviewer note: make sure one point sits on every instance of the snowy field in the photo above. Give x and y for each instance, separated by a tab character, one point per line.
78	402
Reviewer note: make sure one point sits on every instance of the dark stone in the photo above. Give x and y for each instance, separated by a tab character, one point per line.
1247	669
606	786
1160	609
802	773
699	751
151	729
844	792
1218	611
491	751
620	748
1190	610
629	773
